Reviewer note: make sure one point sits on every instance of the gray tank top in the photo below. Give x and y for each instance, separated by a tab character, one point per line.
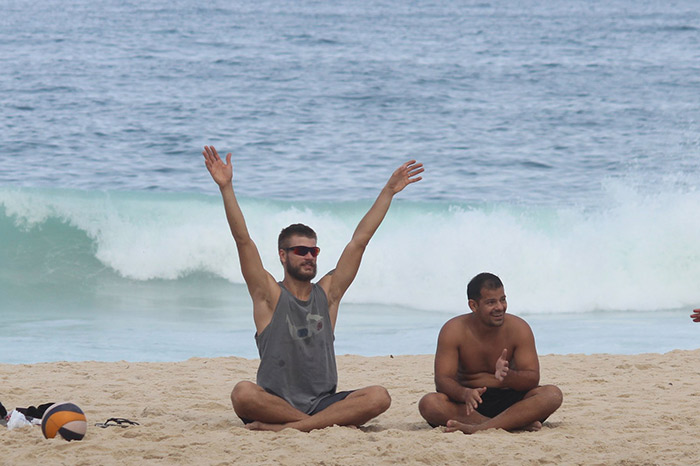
297	359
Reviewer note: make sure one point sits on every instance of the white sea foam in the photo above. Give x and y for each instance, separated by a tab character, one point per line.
635	252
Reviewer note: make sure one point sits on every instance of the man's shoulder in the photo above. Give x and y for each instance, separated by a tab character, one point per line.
516	322
318	288
455	326
518	328
457	321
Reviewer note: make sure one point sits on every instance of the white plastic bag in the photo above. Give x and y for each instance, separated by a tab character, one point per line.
17	419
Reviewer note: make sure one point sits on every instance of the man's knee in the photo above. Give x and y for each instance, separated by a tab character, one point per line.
549	396
243	393
553	395
379	398
431	404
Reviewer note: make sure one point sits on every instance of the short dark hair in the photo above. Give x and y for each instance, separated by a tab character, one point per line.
483	280
296	229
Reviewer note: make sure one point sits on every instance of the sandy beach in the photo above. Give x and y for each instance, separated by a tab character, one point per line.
618	410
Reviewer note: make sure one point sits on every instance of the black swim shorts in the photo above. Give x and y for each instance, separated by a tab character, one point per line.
323	404
496	400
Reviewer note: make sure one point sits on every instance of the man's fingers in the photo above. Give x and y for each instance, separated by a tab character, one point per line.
415	170
413	176
411	168
212	156
471	406
501	373
208	153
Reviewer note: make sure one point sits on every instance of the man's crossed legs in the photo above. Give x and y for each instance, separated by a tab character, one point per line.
250	401
516	412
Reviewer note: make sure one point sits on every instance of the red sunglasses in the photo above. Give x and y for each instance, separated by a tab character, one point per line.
304	250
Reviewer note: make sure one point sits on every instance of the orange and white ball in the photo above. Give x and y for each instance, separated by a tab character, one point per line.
65	419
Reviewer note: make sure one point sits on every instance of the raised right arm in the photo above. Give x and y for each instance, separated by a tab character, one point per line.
261	284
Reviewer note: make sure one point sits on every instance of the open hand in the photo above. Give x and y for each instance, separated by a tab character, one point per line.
405	175
472	399
502	366
221	172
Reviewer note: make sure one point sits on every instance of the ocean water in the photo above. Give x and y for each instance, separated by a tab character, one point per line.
561	142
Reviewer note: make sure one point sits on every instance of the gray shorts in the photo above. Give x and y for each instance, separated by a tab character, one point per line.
323	404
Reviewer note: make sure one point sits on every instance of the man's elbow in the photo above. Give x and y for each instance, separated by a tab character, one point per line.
359	243
524	382
535	379
531	382
441	383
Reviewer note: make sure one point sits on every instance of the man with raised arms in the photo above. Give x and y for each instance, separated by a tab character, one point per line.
487	372
295	319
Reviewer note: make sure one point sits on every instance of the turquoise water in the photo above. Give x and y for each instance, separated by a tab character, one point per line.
154	276
560	141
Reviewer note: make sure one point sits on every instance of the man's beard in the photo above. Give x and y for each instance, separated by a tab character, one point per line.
298	274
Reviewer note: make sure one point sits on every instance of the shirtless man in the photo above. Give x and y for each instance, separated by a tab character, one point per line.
295	319
487	372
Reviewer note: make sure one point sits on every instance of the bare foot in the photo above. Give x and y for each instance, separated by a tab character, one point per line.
534	427
454	426
257	425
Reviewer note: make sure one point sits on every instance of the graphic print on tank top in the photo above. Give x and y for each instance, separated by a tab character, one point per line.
312	326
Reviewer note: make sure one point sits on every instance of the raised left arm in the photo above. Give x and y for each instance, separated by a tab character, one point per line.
336	283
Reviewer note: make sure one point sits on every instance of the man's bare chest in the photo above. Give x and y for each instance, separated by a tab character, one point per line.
480	355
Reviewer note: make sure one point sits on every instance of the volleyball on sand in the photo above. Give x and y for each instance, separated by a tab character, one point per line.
65	419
